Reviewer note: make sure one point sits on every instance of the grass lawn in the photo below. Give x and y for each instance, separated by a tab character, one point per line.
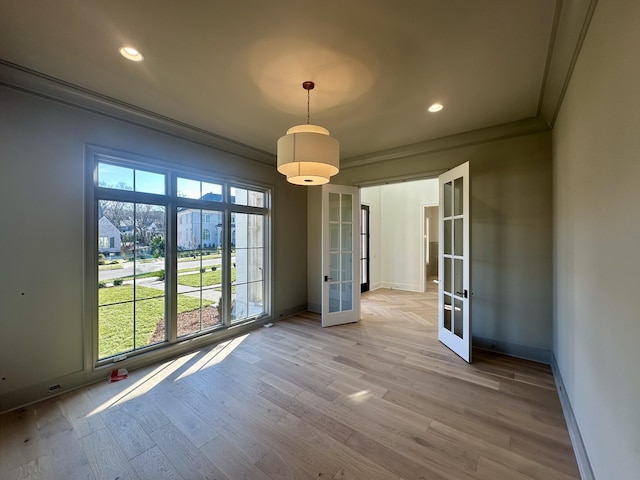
190	258
111	266
208	279
191	281
116	319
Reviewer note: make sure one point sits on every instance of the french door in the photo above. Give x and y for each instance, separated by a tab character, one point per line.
454	319
340	255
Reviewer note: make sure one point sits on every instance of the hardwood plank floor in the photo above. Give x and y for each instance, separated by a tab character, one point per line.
379	399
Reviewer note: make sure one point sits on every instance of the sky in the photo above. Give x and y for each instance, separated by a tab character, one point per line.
123	178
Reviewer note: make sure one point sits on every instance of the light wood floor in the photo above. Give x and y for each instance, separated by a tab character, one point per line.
374	400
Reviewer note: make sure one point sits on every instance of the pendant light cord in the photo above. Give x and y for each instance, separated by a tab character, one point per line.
308	86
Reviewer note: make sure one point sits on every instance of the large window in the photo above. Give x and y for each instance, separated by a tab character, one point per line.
178	254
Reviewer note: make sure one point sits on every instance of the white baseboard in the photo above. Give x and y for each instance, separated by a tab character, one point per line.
408	287
572	425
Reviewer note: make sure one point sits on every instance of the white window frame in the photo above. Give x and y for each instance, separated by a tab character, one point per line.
95	155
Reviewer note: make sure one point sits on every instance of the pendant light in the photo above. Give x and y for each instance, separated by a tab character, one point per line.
307	154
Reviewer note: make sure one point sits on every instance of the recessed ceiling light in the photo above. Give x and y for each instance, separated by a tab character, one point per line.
436	107
132	54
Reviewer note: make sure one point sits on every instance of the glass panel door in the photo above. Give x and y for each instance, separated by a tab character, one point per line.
340	255
454	322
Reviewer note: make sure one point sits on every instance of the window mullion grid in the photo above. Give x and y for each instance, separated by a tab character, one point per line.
171	268
201	250
225	311
172	203
135	268
248	210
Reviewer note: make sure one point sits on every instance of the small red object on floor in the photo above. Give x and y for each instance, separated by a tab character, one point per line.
118	374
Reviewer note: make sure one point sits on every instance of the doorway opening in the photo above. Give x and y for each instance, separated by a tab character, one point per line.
397	250
431	247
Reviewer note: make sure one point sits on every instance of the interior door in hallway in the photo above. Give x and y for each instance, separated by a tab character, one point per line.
454	312
365	281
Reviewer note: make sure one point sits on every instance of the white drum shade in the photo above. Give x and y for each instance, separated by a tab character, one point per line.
308	155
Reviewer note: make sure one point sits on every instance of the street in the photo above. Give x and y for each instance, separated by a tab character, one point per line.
153	266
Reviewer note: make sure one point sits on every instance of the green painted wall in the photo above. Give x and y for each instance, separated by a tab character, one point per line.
44	335
596	151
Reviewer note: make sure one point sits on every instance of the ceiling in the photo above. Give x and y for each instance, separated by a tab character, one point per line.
234	69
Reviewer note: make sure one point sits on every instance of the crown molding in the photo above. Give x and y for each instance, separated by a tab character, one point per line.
36	83
570	27
571	22
474	137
